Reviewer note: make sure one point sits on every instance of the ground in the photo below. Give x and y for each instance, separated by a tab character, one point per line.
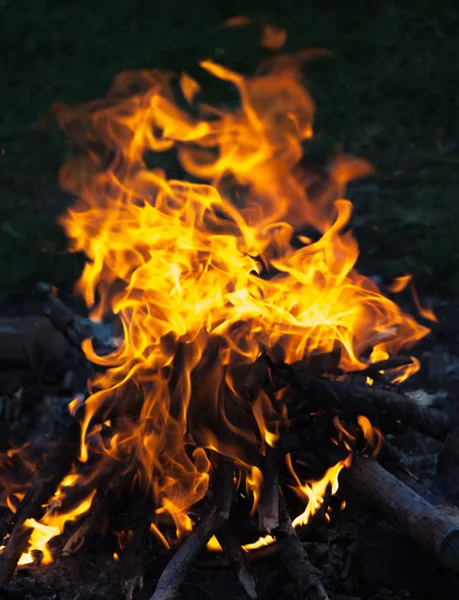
387	93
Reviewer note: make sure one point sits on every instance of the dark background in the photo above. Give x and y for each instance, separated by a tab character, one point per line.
389	93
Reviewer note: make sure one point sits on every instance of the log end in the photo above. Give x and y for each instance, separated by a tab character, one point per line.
449	550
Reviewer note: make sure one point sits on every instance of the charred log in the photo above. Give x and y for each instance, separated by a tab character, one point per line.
364	400
176	570
405	509
295	560
237	557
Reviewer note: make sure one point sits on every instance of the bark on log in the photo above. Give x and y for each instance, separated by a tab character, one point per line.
355	399
296	561
174	573
405	510
238	559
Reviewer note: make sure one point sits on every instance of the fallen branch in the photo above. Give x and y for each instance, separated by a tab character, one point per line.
295	560
405	509
237	557
176	570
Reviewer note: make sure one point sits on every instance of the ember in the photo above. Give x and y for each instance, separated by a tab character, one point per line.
241	316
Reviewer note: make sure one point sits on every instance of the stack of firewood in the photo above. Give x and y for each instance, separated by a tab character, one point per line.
314	405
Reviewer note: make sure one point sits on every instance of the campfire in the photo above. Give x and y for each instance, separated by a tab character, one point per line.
253	370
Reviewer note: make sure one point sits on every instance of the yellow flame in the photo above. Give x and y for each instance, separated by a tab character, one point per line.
154	529
213	545
315	491
263	541
205	277
50	526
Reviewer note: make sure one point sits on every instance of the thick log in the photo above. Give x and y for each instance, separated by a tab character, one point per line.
295	560
238	559
174	573
405	509
33	505
31	351
66	321
359	399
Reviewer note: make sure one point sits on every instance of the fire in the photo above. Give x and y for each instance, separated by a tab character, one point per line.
247	254
50	526
214	546
314	492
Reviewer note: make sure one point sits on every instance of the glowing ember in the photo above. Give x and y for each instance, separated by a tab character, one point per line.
207	277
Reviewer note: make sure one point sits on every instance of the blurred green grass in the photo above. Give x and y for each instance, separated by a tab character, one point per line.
389	93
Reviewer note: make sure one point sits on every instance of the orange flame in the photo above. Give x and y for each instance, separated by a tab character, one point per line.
372	435
400	283
273	37
50	526
315	491
205	277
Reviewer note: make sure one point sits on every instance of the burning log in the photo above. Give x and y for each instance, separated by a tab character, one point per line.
176	570
383	365
296	561
363	400
83	533
33	505
238	559
109	486
405	509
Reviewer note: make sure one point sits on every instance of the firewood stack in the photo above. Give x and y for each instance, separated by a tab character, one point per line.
325	427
